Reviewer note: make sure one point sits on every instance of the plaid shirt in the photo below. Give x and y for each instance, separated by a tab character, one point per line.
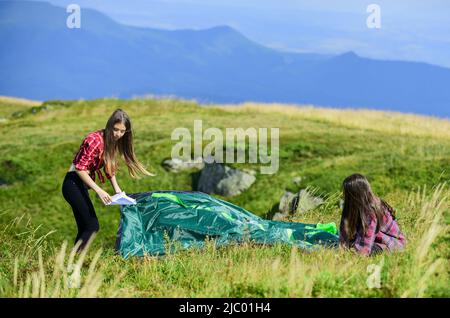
90	155
388	237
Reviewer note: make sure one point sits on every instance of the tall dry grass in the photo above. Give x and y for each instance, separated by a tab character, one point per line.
245	270
63	273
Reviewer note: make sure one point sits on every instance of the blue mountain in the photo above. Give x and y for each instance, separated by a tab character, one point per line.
42	59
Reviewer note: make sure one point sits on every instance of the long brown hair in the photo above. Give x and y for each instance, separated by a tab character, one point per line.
359	204
123	147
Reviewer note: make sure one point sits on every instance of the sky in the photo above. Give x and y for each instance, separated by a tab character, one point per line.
412	30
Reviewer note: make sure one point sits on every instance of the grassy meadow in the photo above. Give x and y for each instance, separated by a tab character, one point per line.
405	157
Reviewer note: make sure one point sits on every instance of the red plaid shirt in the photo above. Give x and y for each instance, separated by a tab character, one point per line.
90	155
387	238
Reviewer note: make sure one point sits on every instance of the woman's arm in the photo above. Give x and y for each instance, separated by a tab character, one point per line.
86	157
114	184
84	176
365	241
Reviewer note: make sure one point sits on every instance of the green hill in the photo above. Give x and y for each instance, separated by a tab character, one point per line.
405	157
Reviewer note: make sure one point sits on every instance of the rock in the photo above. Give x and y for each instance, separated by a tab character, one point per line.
279	216
177	164
234	183
210	176
216	178
297	180
286	202
292	203
307	202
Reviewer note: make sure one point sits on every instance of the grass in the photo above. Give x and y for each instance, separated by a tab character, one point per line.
405	157
10	105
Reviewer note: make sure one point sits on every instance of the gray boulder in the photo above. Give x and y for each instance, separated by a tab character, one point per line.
297	180
216	178
296	203
177	164
307	201
279	216
287	202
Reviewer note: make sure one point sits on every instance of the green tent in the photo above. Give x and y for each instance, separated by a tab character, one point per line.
189	218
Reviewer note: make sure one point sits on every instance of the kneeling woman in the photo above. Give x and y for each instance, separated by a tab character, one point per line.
100	149
368	223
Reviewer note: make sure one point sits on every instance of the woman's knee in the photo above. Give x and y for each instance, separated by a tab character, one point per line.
94	226
90	227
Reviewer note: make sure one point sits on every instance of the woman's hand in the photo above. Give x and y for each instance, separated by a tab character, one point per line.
104	196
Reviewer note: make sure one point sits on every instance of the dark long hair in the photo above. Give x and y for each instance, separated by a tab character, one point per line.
359	204
123	147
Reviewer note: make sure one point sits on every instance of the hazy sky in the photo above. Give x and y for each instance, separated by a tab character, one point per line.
416	30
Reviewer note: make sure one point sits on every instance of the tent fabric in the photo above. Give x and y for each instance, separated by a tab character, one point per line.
189	218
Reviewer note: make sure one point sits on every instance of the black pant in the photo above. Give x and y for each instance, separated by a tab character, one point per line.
76	193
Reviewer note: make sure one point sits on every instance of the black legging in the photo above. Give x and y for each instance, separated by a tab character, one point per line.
76	193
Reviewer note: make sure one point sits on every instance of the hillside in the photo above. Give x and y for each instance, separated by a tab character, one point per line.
405	157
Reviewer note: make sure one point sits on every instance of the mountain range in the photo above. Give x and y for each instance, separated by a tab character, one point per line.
41	58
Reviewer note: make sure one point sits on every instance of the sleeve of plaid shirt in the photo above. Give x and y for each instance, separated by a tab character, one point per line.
364	241
86	154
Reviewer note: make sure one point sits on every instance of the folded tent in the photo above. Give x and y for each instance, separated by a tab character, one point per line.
189	218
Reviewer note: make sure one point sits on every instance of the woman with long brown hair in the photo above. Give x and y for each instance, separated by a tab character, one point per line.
368	223
100	149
